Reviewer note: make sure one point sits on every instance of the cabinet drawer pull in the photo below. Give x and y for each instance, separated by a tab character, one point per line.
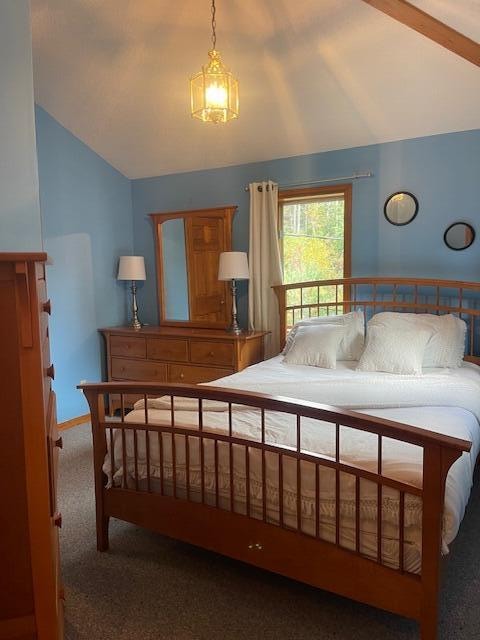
57	520
182	376
47	307
59	443
211	354
51	372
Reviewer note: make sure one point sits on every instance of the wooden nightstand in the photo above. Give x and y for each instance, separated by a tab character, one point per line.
177	354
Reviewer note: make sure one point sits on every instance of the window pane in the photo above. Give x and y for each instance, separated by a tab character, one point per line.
313	239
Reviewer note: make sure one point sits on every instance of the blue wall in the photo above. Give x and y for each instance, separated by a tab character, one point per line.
87	223
19	206
87	217
442	171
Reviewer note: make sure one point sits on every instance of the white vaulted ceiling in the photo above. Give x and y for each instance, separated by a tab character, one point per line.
314	75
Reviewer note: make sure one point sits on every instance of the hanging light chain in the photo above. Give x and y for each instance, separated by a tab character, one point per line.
214	24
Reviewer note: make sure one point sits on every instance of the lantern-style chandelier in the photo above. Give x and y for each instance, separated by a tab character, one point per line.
214	90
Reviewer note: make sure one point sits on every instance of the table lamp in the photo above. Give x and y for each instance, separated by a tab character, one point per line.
233	265
132	268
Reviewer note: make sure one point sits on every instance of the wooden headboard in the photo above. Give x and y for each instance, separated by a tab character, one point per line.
414	295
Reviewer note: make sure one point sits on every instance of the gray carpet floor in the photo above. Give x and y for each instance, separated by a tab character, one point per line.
149	587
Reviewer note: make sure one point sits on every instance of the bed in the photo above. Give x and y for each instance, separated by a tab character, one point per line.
361	498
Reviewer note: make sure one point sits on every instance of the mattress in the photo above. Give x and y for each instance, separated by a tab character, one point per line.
444	401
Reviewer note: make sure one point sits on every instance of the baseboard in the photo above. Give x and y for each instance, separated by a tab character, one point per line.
68	424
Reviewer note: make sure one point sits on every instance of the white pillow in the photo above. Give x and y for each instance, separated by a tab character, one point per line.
394	350
446	346
351	345
316	345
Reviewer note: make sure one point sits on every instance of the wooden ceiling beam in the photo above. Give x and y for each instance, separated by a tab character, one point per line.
413	17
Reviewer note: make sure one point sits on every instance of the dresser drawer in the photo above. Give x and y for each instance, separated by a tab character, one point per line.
58	582
129	346
192	374
167	349
125	369
53	451
205	352
48	371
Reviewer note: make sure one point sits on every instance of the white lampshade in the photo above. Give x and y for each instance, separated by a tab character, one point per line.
233	265
131	268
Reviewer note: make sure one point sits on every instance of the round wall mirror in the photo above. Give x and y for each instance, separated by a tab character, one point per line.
459	236
401	208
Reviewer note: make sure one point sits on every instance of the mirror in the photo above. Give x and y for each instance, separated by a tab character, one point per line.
459	236
174	258
188	245
401	208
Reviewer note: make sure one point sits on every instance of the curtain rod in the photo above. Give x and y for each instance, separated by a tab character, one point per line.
355	176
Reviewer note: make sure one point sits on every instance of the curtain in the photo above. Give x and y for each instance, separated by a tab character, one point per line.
265	263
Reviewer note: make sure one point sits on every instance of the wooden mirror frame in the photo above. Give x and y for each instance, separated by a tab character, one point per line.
226	213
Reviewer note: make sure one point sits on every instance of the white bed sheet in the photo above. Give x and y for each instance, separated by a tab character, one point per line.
445	401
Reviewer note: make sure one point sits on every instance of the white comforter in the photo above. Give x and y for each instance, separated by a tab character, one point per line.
445	401
348	388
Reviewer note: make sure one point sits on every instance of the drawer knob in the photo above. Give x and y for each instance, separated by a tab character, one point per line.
255	546
182	376
57	520
211	354
51	372
47	307
59	443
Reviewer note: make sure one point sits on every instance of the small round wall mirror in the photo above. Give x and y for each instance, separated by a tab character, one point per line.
459	236
401	208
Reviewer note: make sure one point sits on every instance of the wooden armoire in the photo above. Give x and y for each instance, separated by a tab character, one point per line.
31	604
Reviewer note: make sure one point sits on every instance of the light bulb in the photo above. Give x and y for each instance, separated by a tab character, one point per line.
216	96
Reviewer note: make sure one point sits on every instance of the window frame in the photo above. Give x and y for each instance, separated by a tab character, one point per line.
311	192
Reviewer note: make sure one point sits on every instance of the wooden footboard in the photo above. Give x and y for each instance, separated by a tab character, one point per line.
174	498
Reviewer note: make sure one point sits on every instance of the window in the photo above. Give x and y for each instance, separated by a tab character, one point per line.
315	232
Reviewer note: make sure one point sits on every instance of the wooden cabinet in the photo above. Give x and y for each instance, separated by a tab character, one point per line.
177	354
31	607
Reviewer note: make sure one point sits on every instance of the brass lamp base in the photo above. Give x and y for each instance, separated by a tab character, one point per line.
234	326
135	322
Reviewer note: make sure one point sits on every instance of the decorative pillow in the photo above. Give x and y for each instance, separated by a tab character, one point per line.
351	345
394	350
316	345
446	346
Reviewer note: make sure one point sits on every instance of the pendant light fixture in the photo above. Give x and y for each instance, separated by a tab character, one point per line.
214	90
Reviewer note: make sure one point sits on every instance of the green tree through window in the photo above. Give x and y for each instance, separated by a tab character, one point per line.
312	236
314	227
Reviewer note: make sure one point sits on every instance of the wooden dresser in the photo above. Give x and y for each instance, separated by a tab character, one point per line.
177	354
30	588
